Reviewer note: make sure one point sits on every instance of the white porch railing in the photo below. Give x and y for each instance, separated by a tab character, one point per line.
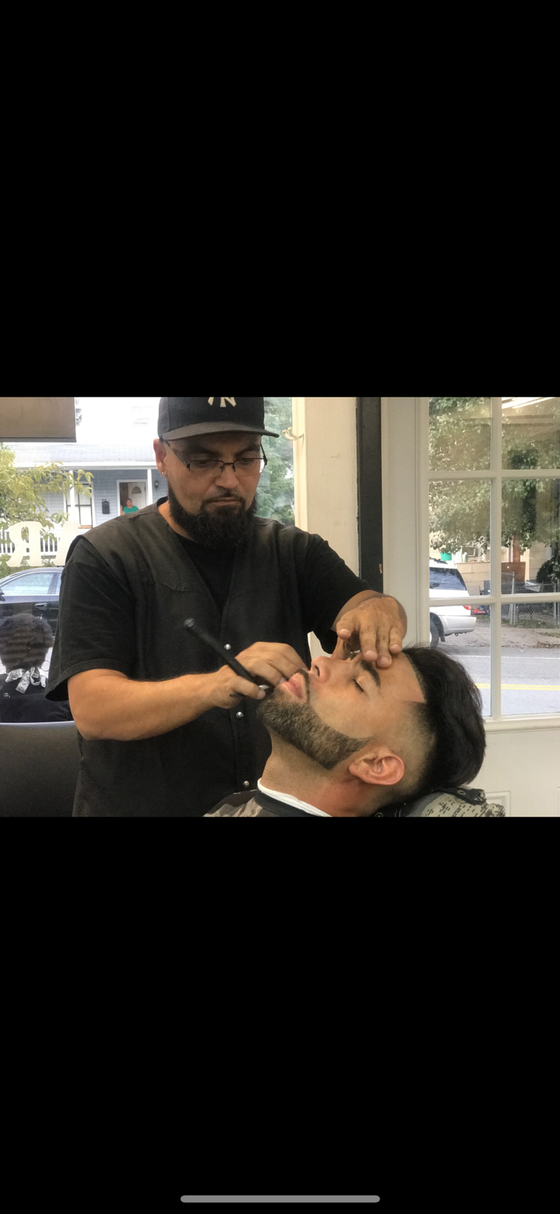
49	545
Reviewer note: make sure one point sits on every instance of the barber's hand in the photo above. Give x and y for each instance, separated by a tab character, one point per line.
376	627
269	662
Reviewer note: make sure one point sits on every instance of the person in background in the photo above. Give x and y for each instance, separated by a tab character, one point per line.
129	508
24	643
352	741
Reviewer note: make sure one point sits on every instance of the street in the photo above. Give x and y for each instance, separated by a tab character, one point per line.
530	681
530	667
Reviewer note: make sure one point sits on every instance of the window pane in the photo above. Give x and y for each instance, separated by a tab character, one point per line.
531	431
530	669
460	433
445	578
530	673
460	532
531	532
275	498
472	650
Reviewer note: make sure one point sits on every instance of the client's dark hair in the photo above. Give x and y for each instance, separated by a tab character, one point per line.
450	721
24	641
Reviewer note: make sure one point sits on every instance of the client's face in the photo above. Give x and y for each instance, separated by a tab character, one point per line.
333	710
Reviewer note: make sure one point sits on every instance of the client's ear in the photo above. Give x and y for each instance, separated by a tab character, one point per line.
378	769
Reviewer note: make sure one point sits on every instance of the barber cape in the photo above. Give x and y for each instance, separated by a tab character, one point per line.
442	803
256	804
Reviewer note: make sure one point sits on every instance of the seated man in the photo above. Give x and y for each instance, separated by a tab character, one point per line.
24	643
352	741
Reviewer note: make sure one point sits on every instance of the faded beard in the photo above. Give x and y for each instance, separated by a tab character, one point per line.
298	724
226	528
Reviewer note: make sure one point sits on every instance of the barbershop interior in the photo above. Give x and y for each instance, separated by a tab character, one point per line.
292	606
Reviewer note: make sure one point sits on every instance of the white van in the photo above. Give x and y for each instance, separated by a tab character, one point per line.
445	583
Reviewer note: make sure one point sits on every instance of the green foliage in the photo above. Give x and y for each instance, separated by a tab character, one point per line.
535	444
460	433
550	571
275	498
459	515
22	493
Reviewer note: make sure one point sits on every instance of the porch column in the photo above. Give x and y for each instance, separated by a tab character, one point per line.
72	502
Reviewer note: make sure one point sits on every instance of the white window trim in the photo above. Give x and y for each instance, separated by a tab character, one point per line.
71	507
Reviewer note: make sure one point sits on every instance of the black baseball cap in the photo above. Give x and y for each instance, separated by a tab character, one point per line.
185	416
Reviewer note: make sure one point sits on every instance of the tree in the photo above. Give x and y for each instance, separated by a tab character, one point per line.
22	494
275	498
460	432
460	435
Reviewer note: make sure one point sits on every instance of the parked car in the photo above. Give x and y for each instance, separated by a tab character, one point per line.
32	590
446	582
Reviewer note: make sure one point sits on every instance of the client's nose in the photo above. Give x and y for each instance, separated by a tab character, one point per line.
328	669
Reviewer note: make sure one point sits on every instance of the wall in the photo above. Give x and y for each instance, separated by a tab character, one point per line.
522	763
474	575
325	472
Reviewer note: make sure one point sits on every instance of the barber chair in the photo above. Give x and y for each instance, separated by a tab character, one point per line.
38	769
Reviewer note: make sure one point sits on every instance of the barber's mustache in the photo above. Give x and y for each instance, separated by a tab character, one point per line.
225	497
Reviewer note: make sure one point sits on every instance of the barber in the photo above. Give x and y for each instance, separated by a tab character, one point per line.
164	730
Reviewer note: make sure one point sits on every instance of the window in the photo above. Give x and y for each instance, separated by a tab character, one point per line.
275	498
84	510
37	582
495	509
446	579
80	509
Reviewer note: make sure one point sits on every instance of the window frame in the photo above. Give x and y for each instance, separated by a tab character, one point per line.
496	475
370	490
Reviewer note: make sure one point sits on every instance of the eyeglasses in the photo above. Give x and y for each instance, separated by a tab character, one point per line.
208	467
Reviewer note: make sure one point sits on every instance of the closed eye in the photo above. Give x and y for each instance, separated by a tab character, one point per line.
356	684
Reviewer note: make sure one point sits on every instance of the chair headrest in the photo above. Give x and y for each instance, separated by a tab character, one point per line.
446	803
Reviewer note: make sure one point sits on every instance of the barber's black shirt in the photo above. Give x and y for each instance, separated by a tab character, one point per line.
214	567
127	588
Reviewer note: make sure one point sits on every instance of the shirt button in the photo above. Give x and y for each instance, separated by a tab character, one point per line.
240	715
246	784
227	646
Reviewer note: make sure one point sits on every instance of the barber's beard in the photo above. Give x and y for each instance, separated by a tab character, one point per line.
215	526
296	722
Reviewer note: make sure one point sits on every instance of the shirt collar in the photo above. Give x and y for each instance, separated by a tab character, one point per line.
287	800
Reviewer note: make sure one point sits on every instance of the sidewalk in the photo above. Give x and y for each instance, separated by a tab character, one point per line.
512	638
